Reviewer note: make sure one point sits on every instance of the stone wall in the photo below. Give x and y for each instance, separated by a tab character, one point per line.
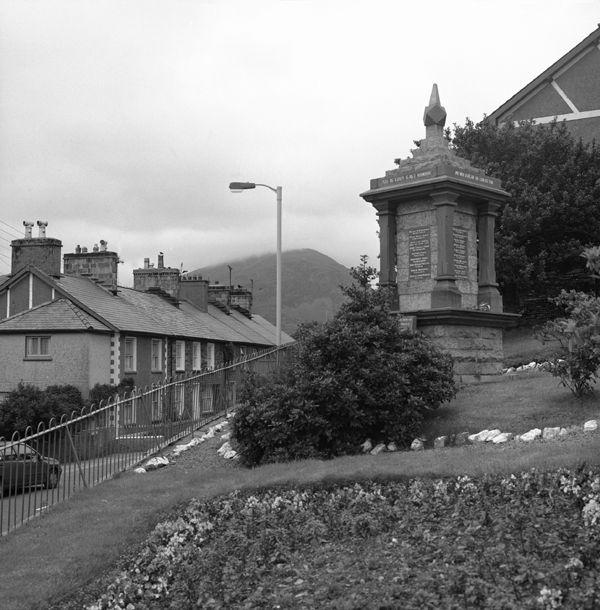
477	350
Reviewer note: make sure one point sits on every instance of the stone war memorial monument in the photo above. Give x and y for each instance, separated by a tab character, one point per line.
436	217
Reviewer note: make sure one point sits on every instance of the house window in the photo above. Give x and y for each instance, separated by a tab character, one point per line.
197	356
157	404
196	401
156	355
210	355
37	348
180	355
129	355
208	399
179	400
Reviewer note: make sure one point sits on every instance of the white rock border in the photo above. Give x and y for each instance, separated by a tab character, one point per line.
225	450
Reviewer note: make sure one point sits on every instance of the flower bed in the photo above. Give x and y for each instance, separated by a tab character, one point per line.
522	541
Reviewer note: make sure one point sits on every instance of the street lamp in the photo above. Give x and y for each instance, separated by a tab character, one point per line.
238	187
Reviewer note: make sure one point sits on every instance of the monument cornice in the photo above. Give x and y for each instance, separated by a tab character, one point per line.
463	317
418	188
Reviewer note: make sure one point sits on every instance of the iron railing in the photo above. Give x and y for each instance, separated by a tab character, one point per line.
43	467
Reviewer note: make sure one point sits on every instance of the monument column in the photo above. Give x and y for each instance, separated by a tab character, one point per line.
488	288
445	292
386	213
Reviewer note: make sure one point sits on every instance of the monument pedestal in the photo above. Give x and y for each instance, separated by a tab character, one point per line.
473	338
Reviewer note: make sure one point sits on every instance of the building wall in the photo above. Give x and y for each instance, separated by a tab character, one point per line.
19	297
79	359
99	359
30	289
143	375
477	351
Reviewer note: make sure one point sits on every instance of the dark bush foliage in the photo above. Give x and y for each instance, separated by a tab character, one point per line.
577	360
27	405
553	212
357	376
106	391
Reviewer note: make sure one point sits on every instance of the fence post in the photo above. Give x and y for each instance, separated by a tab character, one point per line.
77	460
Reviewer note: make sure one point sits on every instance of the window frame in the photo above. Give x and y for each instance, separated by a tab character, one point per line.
196	356
210	356
156	355
180	355
39	341
133	356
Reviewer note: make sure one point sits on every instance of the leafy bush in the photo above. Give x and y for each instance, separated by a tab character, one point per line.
354	377
105	391
27	405
576	363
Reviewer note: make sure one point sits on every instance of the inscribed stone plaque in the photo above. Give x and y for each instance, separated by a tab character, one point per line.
407	323
419	254
460	242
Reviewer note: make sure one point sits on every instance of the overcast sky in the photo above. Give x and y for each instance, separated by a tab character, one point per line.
127	120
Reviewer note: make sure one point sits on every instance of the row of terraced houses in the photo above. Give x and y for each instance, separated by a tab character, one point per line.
78	326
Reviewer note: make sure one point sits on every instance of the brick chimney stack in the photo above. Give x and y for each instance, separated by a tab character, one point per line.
41	252
100	264
161	277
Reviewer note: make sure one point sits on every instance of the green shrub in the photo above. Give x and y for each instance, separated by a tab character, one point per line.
27	405
357	376
106	391
576	362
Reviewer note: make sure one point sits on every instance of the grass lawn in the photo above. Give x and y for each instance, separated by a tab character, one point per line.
513	404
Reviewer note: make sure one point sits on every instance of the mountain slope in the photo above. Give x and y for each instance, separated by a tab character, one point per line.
310	287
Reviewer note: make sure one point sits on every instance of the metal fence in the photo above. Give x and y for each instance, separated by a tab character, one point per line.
48	465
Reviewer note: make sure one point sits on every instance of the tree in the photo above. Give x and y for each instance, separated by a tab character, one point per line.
553	214
353	377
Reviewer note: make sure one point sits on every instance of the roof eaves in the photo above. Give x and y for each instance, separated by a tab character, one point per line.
546	75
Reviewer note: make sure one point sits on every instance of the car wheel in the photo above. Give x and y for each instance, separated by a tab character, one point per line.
52	480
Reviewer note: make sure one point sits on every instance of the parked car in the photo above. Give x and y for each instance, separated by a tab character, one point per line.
22	467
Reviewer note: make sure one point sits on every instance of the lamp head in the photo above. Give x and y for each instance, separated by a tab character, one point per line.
238	187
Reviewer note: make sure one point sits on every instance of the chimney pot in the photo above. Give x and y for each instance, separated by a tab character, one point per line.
28	226
42	224
103	244
146	263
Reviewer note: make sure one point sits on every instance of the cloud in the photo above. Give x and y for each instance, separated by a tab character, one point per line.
126	120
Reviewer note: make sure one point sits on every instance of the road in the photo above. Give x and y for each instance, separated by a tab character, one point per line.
20	507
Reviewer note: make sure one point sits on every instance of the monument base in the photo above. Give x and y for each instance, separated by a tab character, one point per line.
473	338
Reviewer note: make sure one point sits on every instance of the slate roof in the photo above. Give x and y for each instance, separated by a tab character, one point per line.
59	315
83	304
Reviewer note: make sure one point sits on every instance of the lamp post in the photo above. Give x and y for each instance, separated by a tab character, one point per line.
238	187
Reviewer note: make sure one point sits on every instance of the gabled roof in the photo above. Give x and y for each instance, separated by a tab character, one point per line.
59	315
83	304
586	45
